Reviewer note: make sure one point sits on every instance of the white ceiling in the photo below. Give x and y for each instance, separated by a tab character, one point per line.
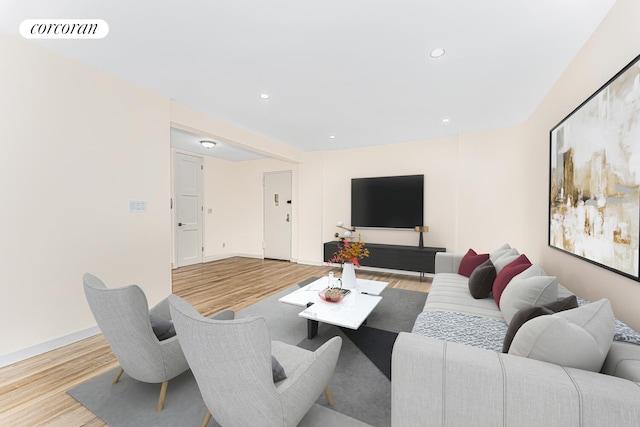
356	69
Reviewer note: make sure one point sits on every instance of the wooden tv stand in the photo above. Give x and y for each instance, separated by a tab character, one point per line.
395	257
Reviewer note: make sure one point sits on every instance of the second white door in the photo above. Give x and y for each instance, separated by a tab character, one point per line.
277	215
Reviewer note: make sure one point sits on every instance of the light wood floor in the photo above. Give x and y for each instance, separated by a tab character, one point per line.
33	392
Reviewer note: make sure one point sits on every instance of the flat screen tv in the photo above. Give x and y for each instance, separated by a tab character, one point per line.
387	202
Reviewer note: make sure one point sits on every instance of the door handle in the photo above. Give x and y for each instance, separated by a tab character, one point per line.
180	224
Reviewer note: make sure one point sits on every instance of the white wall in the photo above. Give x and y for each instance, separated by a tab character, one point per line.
436	159
234	193
77	145
221	196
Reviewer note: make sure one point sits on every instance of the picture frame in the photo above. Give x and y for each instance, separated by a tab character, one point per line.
594	177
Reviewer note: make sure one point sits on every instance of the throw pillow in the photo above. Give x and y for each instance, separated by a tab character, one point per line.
277	370
504	260
505	275
526	314
162	328
563	304
578	338
526	292
534	270
499	252
481	280
502	252
470	261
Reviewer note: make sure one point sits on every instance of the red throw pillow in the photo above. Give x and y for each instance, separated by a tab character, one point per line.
470	261
509	271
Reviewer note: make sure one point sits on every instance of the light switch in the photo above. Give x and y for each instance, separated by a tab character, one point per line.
136	206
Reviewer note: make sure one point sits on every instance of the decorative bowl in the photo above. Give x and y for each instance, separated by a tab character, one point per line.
322	294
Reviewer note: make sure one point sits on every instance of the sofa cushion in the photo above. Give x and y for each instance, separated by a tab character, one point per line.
450	291
528	313
505	275
481	280
470	261
524	292
578	338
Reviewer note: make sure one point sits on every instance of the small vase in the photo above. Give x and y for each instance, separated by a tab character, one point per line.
348	275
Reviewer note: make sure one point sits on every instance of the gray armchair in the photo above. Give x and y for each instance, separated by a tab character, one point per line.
123	317
231	361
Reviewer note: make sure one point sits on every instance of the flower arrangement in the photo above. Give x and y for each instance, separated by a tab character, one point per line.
351	252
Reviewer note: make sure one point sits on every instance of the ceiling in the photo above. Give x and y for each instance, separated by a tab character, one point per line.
188	141
359	70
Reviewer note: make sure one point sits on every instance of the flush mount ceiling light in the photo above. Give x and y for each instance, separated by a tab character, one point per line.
437	53
207	144
264	95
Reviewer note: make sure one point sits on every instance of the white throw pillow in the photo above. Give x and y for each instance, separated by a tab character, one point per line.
534	270
524	292
501	262
576	338
504	250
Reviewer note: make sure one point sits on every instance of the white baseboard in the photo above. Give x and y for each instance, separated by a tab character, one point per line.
217	257
314	263
35	350
256	256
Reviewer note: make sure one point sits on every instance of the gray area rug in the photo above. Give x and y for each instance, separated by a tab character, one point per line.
362	393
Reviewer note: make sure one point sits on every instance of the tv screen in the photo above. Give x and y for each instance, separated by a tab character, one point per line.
387	202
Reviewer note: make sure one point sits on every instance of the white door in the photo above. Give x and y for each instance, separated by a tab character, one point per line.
277	215
187	181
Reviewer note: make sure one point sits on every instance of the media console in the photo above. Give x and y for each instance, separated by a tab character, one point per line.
395	257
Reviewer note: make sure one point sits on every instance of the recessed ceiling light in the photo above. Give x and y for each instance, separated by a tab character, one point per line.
446	120
332	137
207	144
437	53
264	95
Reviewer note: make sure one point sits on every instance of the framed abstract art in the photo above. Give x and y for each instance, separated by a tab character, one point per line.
594	185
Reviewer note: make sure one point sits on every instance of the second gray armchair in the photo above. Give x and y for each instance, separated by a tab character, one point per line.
232	363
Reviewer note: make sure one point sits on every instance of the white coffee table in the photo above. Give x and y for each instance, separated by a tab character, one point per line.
350	313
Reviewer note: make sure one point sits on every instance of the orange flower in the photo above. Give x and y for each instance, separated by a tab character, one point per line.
351	252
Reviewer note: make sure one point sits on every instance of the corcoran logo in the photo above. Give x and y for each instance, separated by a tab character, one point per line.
64	29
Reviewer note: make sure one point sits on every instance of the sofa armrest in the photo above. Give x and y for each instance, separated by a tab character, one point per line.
447	262
439	383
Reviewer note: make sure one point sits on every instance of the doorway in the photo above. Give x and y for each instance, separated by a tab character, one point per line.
187	181
277	215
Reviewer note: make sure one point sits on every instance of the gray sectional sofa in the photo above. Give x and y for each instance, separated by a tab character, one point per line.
451	371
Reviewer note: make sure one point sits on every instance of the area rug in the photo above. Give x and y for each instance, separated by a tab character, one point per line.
360	386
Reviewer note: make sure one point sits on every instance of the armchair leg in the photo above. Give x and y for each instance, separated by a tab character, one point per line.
327	393
206	419
118	375
163	394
